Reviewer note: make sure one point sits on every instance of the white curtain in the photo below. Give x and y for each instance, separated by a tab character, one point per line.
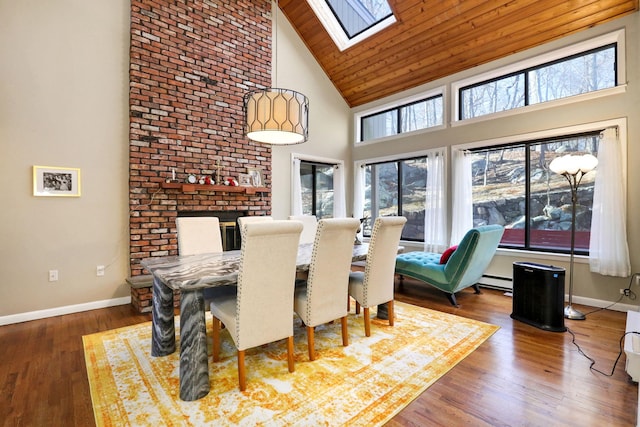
435	214
339	199
608	249
296	189
462	205
358	194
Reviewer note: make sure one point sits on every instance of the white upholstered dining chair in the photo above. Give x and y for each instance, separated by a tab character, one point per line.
374	285
243	220
309	225
262	310
197	235
320	298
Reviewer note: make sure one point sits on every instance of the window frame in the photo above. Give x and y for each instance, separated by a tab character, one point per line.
399	158
313	159
620	123
556	55
398	105
314	197
342	41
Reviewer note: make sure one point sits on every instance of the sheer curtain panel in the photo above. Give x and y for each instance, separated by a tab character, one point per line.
435	214
339	198
462	216
296	189
608	249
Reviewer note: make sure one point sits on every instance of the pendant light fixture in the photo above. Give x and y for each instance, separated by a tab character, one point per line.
273	115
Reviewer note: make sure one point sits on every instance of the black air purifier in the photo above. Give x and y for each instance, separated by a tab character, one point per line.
538	295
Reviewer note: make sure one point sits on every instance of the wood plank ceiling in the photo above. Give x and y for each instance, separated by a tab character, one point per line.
433	39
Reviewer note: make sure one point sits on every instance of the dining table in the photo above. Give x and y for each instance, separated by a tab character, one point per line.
191	275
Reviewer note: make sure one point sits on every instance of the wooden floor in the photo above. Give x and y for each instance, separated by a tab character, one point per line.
521	376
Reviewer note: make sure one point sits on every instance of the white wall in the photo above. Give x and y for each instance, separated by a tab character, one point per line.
588	288
63	102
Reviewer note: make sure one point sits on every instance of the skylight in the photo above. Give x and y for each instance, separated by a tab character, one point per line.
351	21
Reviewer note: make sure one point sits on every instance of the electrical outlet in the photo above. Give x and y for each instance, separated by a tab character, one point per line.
100	270
621	291
638	279
53	275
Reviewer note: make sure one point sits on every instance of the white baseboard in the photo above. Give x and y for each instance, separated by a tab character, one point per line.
601	304
496	282
58	311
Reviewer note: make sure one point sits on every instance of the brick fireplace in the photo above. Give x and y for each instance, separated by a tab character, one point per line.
191	62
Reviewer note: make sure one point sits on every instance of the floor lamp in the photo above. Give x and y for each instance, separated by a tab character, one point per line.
573	167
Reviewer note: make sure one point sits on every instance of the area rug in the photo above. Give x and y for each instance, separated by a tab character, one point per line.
363	384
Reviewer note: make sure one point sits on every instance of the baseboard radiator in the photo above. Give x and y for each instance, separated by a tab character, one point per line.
496	282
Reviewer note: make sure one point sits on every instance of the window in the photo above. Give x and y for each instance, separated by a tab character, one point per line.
397	188
356	16
316	181
513	186
421	114
350	21
580	73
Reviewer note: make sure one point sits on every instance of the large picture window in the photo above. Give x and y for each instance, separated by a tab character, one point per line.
397	188
513	186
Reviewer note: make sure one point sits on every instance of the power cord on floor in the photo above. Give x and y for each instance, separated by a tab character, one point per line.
593	362
631	295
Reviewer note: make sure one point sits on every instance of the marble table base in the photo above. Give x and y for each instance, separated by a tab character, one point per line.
194	366
163	331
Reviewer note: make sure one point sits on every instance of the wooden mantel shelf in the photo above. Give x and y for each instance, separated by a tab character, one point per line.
186	188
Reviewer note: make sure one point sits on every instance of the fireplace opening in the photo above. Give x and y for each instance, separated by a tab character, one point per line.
229	230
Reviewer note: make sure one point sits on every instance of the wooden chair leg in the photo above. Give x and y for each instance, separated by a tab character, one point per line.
367	322
348	303
242	375
357	307
345	333
290	354
216	339
390	311
310	343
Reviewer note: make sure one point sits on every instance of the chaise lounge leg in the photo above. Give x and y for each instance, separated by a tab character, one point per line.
452	299
476	288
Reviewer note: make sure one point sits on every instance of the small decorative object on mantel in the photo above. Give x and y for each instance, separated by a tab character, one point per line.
191	179
218	169
231	182
244	179
173	176
209	180
256	176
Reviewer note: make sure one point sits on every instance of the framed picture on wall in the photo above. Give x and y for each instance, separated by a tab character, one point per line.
54	181
256	177
244	180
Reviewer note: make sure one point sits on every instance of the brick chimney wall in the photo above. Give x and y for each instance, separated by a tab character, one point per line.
191	62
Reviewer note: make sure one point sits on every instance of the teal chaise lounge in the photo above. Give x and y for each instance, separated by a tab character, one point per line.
464	267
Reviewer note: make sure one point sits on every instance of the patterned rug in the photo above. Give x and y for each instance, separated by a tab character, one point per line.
364	384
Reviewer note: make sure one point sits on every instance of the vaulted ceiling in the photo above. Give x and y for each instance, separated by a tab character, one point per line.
436	38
